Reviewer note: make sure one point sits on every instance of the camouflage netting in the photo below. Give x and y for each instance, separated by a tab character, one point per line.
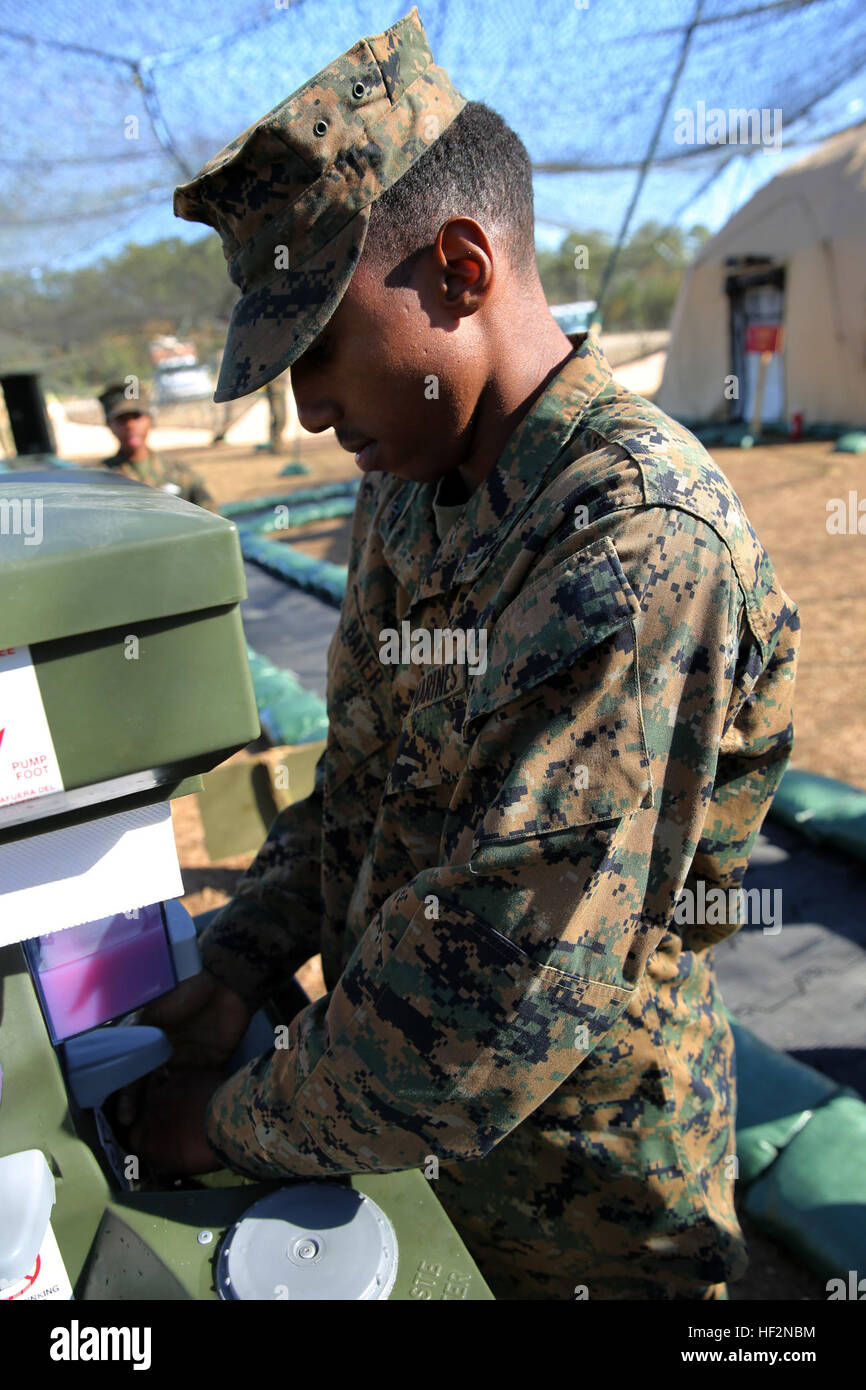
106	107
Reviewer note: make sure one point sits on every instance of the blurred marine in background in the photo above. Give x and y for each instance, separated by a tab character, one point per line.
129	421
276	394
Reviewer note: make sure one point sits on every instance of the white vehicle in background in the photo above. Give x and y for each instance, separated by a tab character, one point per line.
177	373
575	317
181	381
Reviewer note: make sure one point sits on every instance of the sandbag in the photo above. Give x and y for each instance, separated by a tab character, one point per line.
317	577
813	1198
248	506
301	515
287	712
827	812
853	442
776	1097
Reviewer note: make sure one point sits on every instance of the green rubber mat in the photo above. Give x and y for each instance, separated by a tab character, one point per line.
236	808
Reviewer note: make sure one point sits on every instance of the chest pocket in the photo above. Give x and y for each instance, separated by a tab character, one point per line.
430	751
554	728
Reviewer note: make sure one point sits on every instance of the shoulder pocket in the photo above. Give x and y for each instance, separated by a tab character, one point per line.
559	708
551	623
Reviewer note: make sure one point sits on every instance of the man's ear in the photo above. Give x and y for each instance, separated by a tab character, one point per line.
463	261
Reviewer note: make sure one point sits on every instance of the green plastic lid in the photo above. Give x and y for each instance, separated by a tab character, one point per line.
80	557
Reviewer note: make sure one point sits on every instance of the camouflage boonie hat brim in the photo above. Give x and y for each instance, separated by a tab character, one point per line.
291	196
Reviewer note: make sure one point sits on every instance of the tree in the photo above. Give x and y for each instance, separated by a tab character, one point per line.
646	281
95	323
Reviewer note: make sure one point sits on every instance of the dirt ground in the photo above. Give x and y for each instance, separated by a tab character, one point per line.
785	490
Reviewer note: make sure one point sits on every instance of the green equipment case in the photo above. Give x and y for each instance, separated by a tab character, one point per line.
128	601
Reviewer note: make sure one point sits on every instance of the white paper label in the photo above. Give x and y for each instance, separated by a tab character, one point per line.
47	1280
80	873
28	762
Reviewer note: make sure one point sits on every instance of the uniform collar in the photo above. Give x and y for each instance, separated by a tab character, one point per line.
411	545
118	461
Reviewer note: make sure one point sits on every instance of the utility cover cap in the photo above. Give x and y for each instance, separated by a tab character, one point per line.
309	1241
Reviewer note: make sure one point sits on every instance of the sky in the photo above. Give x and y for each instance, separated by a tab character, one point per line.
587	83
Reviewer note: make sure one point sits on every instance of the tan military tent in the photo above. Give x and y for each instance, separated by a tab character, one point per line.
794	255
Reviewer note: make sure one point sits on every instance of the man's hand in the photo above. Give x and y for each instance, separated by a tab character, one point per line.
203	1019
169	1134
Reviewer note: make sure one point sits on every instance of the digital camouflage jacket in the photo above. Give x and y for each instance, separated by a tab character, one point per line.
491	858
160	472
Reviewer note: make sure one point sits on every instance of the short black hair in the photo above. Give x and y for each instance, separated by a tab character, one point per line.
478	167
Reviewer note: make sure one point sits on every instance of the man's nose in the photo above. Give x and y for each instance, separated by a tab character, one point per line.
317	411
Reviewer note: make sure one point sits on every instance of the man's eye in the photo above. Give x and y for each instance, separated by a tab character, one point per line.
319	352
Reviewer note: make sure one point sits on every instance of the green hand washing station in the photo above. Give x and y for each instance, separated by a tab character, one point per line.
123	677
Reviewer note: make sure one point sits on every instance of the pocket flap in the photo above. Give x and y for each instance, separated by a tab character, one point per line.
550	624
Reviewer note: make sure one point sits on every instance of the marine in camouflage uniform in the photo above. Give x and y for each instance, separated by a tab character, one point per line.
276	394
493	852
143	464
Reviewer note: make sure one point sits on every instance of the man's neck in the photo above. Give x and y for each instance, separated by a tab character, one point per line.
513	392
136	455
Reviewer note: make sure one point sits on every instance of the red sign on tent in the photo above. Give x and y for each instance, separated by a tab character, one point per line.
764	337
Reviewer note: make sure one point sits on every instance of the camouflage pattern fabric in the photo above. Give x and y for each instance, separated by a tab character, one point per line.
166	474
291	196
491	858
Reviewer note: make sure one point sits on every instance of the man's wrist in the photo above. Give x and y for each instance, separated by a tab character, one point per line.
226	948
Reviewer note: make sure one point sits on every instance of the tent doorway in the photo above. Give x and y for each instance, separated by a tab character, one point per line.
756	297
